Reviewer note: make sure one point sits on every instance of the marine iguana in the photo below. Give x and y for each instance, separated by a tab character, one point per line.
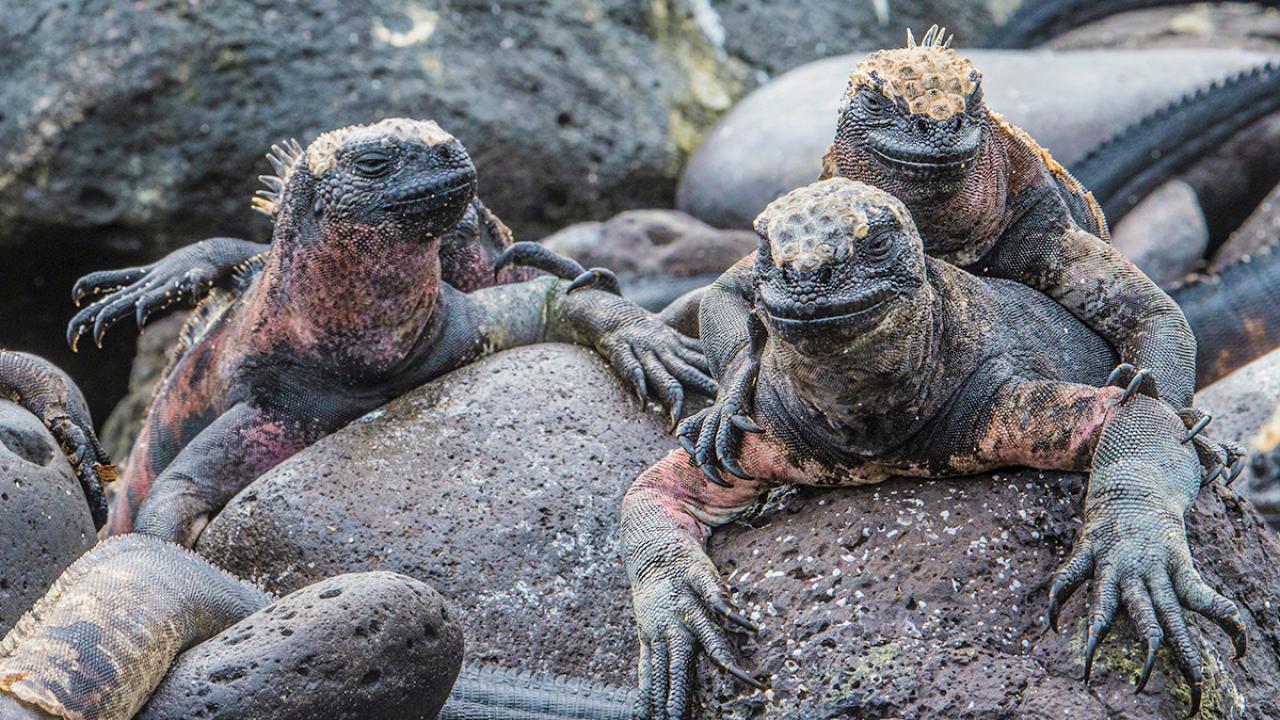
989	199
878	360
347	311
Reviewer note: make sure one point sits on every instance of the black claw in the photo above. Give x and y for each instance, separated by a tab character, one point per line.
1201	424
687	445
1090	649
642	388
1239	636
746	677
1197	690
676	407
734	468
1054	609
1153	645
73	336
734	616
710	472
745	424
1118	371
1237	467
1136	382
1214	470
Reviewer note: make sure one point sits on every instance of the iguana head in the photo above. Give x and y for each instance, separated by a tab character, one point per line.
405	176
838	261
911	120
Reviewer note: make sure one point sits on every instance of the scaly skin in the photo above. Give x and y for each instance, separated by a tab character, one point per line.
187	275
877	360
72	657
46	392
348	310
986	198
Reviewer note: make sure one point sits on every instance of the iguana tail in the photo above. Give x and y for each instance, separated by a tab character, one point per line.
1235	313
99	643
496	694
1038	21
1130	164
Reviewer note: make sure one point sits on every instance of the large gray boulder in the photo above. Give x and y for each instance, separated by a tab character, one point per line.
774	139
1245	407
498	484
44	519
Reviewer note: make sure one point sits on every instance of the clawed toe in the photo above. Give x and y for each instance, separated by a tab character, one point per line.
1134	380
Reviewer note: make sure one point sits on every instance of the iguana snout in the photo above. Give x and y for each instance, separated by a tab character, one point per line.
837	259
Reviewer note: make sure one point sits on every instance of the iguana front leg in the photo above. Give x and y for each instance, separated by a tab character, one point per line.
233	451
1133	544
655	360
183	276
678	594
47	392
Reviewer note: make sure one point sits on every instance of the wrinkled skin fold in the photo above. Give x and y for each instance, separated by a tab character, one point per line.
911	366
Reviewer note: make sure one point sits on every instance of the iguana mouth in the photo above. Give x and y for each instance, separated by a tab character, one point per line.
793	313
434	192
922	165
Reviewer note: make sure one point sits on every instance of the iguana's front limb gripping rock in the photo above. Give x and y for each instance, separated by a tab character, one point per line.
879	361
349	309
988	198
103	637
46	392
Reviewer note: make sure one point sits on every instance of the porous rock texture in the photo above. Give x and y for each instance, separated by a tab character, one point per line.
129	128
774	139
44	519
366	645
499	484
657	254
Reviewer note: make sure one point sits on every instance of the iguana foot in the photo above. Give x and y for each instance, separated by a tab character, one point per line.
1134	380
537	256
656	360
1138	557
183	276
678	607
47	392
1219	459
709	435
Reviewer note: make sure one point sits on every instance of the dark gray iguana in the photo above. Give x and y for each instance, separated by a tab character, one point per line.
989	199
877	360
347	311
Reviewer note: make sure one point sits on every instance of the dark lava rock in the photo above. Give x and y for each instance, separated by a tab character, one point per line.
1165	235
367	645
774	139
926	599
1261	229
657	254
44	519
498	484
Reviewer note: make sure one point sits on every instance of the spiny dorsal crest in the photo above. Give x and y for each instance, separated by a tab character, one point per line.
321	154
284	158
822	221
928	77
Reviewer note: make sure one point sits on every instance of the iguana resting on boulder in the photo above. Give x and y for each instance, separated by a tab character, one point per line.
347	311
878	360
987	198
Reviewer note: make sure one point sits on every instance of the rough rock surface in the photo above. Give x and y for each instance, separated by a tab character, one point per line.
44	519
1165	235
773	140
498	484
927	599
1244	406
368	645
658	254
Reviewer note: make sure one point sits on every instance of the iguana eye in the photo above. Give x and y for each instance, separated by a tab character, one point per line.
372	164
879	245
